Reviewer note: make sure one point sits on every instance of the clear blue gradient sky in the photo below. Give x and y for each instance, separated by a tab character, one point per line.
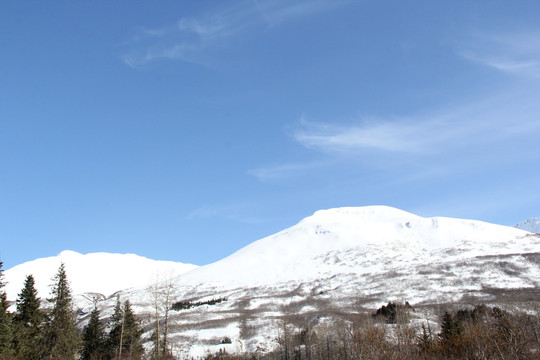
185	130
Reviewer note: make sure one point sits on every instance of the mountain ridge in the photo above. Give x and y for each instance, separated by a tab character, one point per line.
345	228
325	231
99	272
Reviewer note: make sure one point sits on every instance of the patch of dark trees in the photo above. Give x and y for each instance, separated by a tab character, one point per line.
183	305
392	312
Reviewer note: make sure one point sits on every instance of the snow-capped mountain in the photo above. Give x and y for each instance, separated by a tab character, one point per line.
339	261
333	264
531	225
361	240
99	273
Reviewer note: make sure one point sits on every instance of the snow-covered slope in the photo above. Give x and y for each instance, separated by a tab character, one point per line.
531	225
341	260
323	245
101	273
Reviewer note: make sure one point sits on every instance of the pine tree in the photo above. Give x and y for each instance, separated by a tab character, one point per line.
6	334
451	337
27	322
2	283
450	329
125	334
132	332
116	333
93	337
62	334
6	331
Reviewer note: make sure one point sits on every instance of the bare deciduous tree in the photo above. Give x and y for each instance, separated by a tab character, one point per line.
161	291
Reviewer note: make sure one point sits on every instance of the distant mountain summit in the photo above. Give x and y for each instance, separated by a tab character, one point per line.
530	225
100	273
363	241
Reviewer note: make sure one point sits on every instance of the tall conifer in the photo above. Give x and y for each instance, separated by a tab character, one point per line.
63	337
125	333
114	340
2	283
93	337
6	334
27	322
132	333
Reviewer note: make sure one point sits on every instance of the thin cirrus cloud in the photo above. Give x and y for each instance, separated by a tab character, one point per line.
507	121
478	127
232	212
515	53
389	136
281	171
275	12
503	118
412	136
190	38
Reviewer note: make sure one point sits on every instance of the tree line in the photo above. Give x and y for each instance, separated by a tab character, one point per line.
479	333
34	333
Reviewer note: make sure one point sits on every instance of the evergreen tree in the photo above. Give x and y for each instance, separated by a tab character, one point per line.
27	322
125	334
114	341
2	283
132	332
93	338
451	337
450	329
62	334
6	334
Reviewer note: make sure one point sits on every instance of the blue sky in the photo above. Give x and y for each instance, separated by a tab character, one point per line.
184	130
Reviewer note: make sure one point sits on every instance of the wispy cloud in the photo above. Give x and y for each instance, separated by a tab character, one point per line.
190	37
467	125
516	53
482	133
280	171
231	212
277	11
381	135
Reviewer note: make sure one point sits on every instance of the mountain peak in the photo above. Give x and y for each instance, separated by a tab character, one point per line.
68	254
300	251
373	212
